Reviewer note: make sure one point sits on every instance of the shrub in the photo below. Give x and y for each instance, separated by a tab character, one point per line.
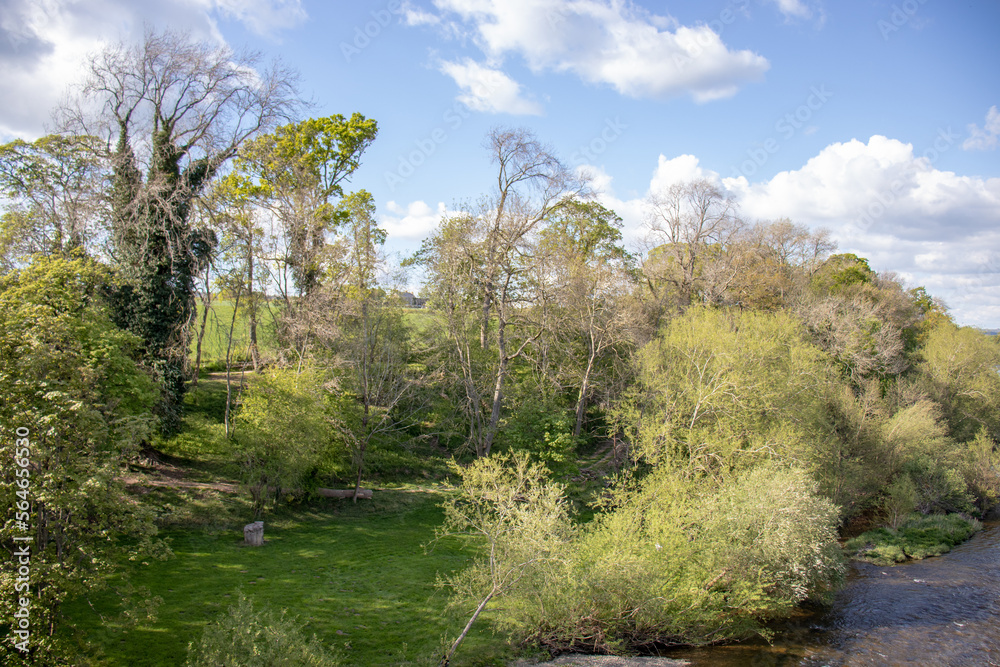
247	637
682	560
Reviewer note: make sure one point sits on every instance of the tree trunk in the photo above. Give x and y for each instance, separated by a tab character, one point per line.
491	428
581	403
229	364
206	303
446	658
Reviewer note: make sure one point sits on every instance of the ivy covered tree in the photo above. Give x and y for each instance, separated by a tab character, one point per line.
172	111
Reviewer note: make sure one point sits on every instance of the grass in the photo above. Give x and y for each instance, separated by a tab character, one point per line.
917	537
360	576
220	316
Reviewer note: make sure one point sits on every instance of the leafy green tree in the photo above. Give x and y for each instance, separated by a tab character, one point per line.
752	378
297	173
591	274
281	431
53	187
508	505
80	404
959	372
675	559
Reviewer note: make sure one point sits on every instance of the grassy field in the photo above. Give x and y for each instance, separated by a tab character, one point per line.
220	318
360	576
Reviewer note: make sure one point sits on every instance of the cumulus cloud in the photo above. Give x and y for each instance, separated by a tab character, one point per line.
44	43
413	221
880	200
984	138
489	90
602	42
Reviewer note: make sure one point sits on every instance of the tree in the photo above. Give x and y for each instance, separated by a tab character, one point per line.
685	223
281	431
54	186
79	402
751	383
531	184
174	110
520	518
373	345
591	275
959	372
297	174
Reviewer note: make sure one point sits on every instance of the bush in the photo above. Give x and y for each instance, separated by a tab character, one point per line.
681	560
281	431
247	637
545	430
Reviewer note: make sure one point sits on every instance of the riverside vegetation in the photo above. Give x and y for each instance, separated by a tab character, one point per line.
576	447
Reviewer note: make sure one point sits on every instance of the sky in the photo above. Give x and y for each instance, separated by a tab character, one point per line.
876	120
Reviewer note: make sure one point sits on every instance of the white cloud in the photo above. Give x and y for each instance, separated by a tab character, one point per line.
414	221
416	16
44	43
879	200
489	90
985	138
264	17
794	8
608	42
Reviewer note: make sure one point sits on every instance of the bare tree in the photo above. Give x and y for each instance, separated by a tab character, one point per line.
171	111
686	223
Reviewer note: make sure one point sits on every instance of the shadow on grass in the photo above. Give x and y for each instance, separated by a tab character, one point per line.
358	576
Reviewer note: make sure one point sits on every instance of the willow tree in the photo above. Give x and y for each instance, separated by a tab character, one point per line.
172	111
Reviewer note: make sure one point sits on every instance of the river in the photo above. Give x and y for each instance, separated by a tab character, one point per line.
942	611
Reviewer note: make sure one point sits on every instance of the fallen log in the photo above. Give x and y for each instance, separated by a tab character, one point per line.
364	494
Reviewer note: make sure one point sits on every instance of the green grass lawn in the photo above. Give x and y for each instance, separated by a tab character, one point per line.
358	576
220	318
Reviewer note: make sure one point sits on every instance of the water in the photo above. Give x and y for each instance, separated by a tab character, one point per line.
942	611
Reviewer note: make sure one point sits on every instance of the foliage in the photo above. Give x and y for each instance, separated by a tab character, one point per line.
750	377
53	187
978	462
959	372
297	174
918	537
543	429
281	431
246	636
70	380
682	560
175	111
522	520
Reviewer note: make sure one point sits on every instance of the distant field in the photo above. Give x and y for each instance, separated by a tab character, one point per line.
220	317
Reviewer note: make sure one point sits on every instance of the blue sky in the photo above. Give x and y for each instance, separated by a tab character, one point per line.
877	120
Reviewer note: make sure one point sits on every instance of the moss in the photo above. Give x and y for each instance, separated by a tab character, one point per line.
918	537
